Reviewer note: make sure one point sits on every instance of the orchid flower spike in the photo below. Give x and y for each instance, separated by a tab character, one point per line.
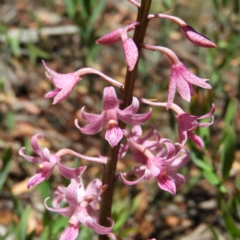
188	123
65	83
180	78
83	207
192	35
110	115
129	47
47	161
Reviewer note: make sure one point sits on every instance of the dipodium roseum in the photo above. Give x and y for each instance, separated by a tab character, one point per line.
64	84
82	207
47	161
163	165
129	47
109	117
188	123
180	77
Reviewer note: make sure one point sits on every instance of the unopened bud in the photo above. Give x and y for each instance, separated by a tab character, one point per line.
197	38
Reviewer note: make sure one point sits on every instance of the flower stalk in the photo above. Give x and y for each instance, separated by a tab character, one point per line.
110	167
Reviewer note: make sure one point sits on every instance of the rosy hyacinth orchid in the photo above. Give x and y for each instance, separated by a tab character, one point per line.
188	123
47	161
180	77
65	83
129	47
163	165
168	179
83	207
110	115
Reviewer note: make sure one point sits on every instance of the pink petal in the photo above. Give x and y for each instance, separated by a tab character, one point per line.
136	130
66	212
152	167
209	114
133	108
110	100
131	53
113	135
123	150
183	88
196	139
99	229
197	38
166	183
38	178
64	92
93	127
29	158
52	93
186	122
34	143
71	172
140	157
88	221
191	78
72	193
179	180
59	196
125	181
180	161
60	80
172	87
182	136
93	187
89	117
70	233
134	118
110	38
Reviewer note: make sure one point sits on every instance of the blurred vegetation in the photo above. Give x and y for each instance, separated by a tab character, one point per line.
213	173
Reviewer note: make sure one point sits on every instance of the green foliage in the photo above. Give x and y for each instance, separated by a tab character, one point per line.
21	230
36	52
228	151
6	160
123	209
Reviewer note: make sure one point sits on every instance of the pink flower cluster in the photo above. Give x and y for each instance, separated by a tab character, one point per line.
156	157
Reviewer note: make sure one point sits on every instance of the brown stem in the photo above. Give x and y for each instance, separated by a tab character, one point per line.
110	168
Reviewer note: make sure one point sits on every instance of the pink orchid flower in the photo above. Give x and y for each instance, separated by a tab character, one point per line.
47	161
168	179
163	165
180	78
110	115
129	47
188	123
83	207
65	83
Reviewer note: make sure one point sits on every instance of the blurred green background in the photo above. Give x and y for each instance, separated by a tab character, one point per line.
63	33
